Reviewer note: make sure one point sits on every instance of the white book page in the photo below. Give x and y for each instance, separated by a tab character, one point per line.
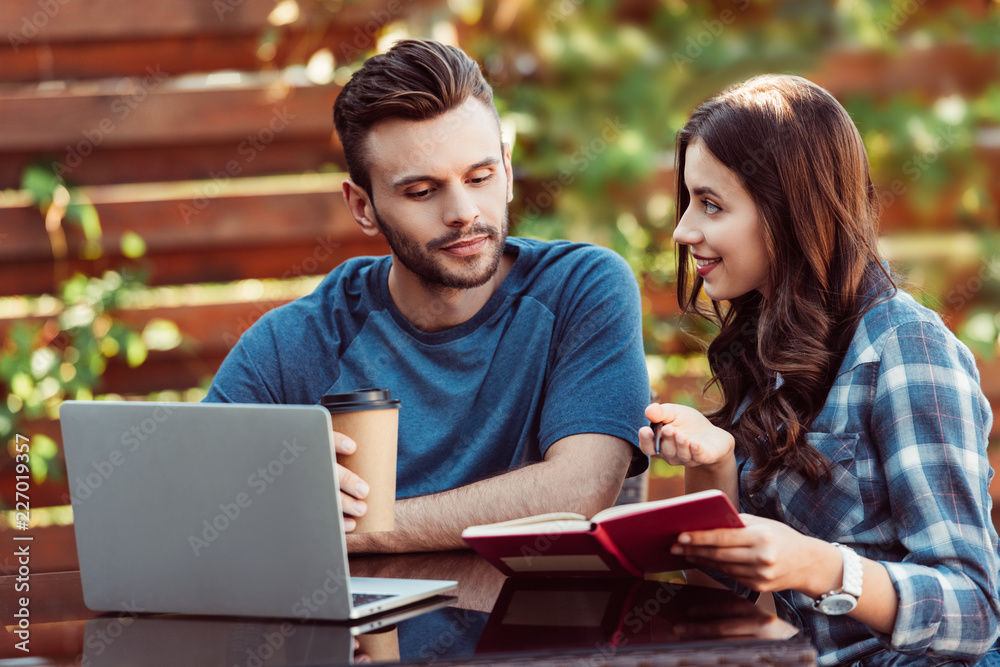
558	523
638	508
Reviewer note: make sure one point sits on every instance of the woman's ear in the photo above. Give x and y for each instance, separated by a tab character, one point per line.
360	205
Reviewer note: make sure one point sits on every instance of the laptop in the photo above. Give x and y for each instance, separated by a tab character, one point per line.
221	509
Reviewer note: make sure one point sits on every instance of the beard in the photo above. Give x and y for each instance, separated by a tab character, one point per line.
421	261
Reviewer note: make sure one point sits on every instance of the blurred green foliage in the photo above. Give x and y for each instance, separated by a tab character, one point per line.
50	359
62	353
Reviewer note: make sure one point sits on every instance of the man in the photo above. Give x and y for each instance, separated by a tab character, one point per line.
504	352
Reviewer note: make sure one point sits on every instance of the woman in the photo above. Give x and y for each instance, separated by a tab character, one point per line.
851	416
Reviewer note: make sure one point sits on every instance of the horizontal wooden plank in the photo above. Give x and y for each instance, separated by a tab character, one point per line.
65	20
209	332
107	166
933	72
206	327
195	215
171	370
161	371
62	61
57	20
193	266
155	110
186	43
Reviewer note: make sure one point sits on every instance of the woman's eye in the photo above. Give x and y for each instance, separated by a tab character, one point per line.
710	208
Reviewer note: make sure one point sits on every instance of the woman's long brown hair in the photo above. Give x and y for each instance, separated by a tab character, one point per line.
801	159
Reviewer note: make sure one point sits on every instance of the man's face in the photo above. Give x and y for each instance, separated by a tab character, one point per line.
440	190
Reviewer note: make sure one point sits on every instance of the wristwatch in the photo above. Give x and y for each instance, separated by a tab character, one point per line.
844	600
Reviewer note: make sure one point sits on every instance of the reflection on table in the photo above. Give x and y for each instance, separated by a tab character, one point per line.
550	614
491	619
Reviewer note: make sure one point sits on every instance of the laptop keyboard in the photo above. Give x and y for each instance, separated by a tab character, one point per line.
359	599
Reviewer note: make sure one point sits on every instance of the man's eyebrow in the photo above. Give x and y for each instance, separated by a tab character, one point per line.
418	178
488	162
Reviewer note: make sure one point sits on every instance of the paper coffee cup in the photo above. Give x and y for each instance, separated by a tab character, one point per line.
380	645
369	417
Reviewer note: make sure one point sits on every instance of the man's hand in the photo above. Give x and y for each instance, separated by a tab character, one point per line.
687	438
353	489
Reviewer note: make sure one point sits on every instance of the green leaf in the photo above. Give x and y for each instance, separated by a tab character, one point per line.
133	246
135	350
40	183
44	446
22	385
39	468
85	213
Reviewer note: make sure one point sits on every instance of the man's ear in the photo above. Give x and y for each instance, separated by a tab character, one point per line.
361	208
509	170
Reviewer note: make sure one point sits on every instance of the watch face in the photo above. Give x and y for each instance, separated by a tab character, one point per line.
835	605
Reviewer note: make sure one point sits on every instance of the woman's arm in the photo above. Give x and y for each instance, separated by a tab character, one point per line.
770	556
930	422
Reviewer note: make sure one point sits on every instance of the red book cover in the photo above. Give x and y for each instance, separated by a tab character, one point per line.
628	540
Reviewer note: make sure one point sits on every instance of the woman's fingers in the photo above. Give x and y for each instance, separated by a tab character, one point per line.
674	448
646	440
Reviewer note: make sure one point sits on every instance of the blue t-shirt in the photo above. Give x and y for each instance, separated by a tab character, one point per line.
556	351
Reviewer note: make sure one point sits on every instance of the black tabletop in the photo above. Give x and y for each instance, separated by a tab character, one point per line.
491	619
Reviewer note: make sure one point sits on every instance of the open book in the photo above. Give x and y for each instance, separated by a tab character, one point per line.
628	540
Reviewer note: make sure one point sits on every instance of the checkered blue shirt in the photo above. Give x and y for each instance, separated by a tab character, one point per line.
905	430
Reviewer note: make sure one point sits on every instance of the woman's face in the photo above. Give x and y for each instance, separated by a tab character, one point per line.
721	227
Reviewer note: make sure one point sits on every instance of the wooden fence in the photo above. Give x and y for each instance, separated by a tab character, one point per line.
182	123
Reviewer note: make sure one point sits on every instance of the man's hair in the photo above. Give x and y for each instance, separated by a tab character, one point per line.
413	80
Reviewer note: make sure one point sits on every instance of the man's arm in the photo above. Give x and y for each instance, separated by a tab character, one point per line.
581	473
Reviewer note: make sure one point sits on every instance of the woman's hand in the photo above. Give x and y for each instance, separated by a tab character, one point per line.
687	438
766	555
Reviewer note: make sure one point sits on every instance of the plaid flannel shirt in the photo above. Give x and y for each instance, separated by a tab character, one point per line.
905	430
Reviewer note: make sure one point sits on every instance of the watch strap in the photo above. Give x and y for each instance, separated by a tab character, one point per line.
853	570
